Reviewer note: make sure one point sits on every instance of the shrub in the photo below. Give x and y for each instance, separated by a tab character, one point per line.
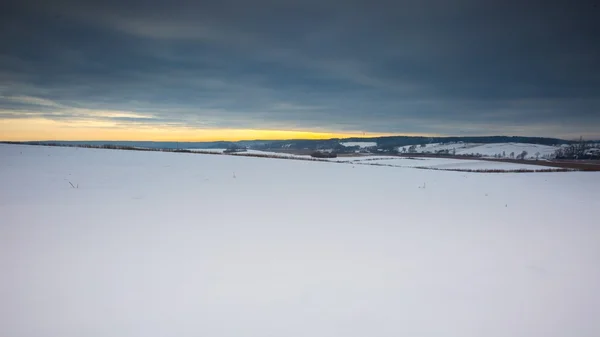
319	154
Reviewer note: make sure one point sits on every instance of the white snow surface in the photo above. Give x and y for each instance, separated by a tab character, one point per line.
207	150
359	144
489	150
453	164
253	152
274	154
433	147
175	244
441	163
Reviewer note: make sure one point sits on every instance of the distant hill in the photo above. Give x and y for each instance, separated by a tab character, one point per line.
310	144
499	150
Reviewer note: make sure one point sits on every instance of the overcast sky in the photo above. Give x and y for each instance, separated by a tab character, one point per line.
460	67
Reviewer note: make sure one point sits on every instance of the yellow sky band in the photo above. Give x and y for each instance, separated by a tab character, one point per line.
24	129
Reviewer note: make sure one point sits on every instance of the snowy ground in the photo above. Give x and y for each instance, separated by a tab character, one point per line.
175	244
359	144
434	163
488	150
450	164
253	152
207	150
274	154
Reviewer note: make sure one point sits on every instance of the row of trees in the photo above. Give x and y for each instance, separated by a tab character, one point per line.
579	150
323	154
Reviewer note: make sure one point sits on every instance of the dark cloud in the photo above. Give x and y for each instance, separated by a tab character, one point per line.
427	66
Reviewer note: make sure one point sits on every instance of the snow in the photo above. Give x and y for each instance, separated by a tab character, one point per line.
172	244
253	152
207	150
452	164
440	163
274	154
434	147
359	144
488	150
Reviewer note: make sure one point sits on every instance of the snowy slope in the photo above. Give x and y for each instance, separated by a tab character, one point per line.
434	163
359	144
207	150
440	163
274	154
488	150
453	164
174	244
435	147
253	152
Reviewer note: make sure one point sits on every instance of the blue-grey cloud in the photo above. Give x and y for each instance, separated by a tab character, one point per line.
404	66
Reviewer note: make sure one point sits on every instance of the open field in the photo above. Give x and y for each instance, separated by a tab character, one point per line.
444	162
449	164
581	165
487	150
479	162
471	162
98	242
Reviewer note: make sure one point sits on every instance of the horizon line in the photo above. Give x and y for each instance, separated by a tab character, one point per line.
286	139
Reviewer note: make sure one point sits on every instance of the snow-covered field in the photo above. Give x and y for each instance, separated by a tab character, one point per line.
433	163
489	150
207	150
451	164
253	152
175	244
359	144
274	154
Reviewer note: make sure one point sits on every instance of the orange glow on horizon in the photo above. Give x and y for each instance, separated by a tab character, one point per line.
32	129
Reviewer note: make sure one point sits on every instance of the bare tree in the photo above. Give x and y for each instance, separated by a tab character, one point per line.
522	155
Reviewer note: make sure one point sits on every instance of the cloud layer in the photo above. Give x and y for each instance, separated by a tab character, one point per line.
432	66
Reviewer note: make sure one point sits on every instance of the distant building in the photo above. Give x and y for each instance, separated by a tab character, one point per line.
593	152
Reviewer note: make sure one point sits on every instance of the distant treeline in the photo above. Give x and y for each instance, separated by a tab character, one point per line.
392	142
100	146
383	143
578	150
403	141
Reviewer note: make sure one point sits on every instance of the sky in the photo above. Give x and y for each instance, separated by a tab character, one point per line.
275	69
